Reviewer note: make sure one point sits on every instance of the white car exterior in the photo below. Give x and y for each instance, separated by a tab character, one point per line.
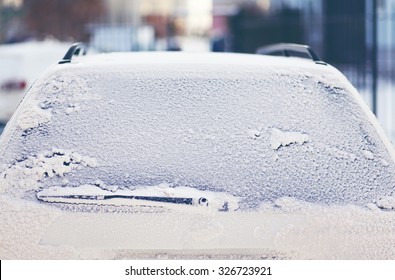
130	155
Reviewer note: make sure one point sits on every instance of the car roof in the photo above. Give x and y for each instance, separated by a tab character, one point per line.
207	64
157	58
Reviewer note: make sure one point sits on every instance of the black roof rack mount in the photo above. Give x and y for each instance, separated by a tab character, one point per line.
75	49
290	50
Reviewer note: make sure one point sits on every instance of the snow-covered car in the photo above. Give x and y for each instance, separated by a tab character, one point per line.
20	65
203	155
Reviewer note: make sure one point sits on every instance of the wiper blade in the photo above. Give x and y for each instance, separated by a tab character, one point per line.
145	196
175	200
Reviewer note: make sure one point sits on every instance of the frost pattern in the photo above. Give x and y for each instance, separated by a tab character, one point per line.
26	173
386	202
255	133
33	116
368	154
67	92
279	138
339	154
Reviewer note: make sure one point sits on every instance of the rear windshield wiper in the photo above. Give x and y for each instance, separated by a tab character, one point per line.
95	195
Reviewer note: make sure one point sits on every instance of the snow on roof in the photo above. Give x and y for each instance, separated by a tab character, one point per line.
169	58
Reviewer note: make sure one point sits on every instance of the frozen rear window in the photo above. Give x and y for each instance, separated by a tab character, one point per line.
258	135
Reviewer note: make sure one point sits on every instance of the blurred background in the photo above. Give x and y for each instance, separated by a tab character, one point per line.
357	36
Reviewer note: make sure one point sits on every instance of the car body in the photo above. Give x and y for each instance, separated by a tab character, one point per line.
209	155
21	64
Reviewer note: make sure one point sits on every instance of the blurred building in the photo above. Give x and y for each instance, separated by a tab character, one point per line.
335	28
11	25
386	34
15	3
171	21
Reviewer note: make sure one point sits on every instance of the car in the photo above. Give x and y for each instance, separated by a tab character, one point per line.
186	155
21	64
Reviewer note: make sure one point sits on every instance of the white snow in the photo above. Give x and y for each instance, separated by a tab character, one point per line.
253	133
66	92
72	108
384	163
33	116
279	138
368	154
27	173
287	229
340	154
386	202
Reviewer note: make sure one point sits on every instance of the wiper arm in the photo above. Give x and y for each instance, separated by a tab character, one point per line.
175	200
145	196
